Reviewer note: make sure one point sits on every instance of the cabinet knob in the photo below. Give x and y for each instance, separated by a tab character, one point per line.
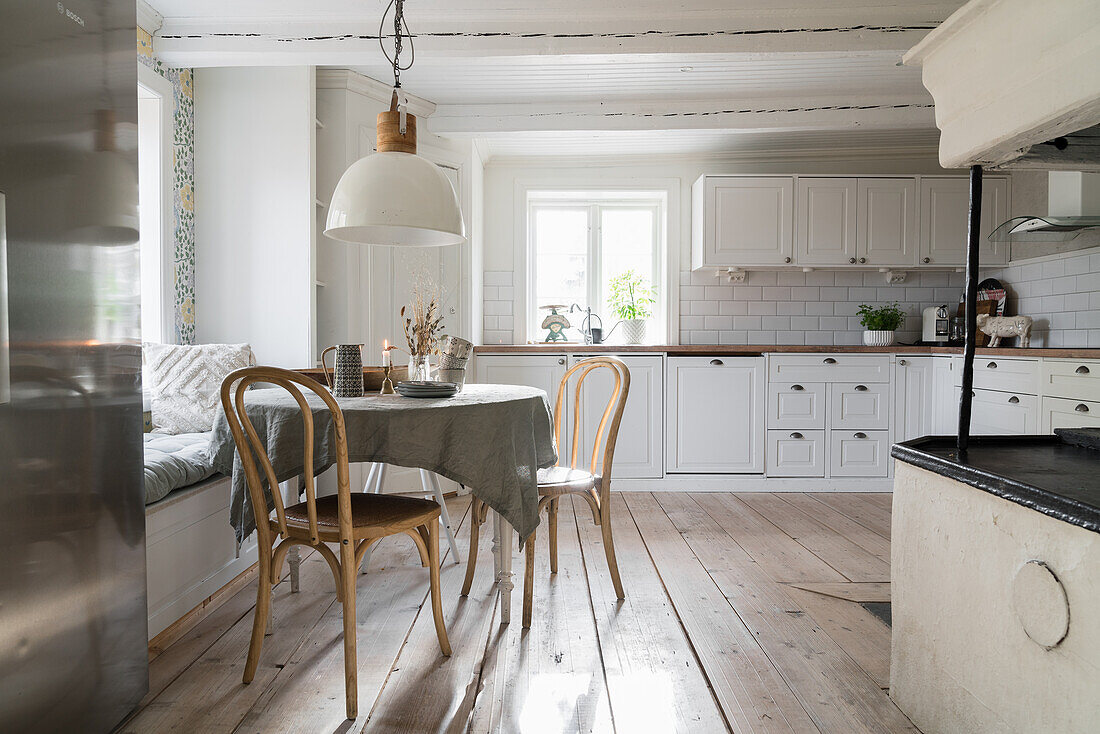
860	434
717	362
1082	408
861	388
786	259
796	434
902	362
926	260
828	360
1013	400
852	260
862	260
797	387
561	361
1082	370
991	366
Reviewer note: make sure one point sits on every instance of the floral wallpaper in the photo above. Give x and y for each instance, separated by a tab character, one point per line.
183	164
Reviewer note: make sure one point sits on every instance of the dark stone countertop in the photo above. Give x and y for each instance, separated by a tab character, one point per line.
1041	472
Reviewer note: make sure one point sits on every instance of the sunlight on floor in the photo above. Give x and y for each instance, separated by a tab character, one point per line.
643	702
558	702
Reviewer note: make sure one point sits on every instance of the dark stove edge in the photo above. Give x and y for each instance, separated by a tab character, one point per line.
1027	495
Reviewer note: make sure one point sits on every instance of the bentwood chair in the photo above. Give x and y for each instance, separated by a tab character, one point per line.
353	521
593	484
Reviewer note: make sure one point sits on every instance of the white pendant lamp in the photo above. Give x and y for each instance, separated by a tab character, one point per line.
395	197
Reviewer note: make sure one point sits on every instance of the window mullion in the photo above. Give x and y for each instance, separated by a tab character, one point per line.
595	279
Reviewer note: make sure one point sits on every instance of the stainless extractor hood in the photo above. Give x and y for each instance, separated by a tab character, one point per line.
1042	229
1073	206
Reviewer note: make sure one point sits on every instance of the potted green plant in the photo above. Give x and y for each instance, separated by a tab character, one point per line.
632	297
880	323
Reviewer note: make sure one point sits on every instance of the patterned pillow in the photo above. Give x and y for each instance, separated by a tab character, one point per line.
185	381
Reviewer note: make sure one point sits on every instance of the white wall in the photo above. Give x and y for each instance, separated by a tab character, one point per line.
255	210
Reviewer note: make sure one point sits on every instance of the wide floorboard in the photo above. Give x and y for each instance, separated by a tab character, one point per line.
744	613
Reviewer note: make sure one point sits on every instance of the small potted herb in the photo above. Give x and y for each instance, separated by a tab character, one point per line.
631	297
880	324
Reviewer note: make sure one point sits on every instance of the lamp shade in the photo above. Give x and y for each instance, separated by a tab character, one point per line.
394	198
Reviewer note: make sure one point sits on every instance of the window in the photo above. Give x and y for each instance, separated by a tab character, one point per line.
155	192
578	242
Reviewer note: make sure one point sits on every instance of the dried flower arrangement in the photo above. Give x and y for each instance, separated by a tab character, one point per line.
424	322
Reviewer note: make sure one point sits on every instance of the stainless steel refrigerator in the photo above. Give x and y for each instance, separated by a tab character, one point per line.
73	642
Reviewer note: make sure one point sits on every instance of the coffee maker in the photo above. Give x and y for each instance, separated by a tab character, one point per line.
936	325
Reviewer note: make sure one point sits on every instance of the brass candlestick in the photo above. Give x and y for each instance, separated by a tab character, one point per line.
387	383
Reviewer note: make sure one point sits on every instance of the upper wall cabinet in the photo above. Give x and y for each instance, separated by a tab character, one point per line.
840	222
742	221
945	203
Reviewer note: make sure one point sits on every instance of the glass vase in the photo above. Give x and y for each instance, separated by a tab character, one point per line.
420	368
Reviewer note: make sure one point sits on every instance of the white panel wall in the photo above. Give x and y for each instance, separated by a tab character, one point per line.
255	210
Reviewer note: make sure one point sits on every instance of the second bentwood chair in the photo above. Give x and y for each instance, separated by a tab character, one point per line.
594	484
353	521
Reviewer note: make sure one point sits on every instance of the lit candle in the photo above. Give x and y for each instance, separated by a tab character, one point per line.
385	353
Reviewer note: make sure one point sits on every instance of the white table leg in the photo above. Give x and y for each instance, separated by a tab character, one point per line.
289	491
502	552
376	477
430	483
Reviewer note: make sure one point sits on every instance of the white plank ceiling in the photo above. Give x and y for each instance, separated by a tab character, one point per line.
610	77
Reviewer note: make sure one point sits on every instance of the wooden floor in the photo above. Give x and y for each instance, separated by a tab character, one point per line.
742	614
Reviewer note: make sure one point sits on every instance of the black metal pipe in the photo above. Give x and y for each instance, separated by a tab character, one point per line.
973	240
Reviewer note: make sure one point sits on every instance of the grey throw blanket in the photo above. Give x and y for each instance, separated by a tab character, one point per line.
491	438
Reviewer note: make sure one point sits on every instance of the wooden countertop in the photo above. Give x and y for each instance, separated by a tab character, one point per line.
757	349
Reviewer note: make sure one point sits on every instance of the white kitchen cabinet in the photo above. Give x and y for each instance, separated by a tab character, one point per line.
859	406
825	223
945	402
639	451
859	453
796	405
944	221
796	453
1066	378
1008	374
995	413
543	371
886	226
715	409
1069	413
742	220
914	406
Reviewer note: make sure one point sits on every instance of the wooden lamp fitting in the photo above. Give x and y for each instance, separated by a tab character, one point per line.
389	126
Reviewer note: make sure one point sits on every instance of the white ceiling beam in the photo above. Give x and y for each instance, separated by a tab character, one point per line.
797	113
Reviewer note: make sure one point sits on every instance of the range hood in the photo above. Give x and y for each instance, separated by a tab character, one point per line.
1042	229
1073	206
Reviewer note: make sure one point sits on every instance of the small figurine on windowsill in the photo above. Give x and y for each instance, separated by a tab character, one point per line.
555	324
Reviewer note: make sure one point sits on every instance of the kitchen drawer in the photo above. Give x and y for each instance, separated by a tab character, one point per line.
859	453
995	413
1006	374
1073	379
803	368
1063	413
859	407
796	454
796	405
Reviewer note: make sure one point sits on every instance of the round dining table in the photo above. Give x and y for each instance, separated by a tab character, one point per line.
492	439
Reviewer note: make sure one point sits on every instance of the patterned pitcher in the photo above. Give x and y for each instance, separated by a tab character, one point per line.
347	382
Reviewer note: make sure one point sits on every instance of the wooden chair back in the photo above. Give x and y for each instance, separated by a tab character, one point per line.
608	431
254	456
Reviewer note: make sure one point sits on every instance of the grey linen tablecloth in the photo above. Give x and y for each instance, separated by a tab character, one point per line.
491	438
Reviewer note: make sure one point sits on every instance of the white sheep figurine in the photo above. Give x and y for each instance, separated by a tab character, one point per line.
1005	326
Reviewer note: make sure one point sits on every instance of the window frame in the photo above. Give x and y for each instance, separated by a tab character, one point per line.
596	201
155	89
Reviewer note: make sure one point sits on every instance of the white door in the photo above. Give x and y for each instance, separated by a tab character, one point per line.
748	221
825	225
1068	413
886	226
913	404
639	451
945	212
945	400
544	371
715	411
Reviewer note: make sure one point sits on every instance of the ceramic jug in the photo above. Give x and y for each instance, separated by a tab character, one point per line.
346	378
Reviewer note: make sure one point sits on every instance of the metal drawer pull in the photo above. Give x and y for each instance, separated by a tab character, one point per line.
561	361
796	388
1082	408
860	434
1013	400
828	360
861	388
797	435
1082	370
991	366
717	362
902	362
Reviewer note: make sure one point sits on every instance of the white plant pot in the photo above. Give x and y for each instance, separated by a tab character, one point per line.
634	331
878	338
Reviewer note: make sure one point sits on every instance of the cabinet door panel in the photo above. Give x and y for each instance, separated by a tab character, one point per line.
543	371
639	451
715	411
796	405
748	221
859	454
859	407
913	403
796	453
945	211
825	229
1003	414
886	228
1069	413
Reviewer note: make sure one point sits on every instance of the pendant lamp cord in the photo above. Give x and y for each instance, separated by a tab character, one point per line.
400	33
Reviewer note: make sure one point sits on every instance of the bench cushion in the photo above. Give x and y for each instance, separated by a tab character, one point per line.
175	461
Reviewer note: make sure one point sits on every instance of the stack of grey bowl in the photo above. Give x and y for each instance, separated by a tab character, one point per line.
452	360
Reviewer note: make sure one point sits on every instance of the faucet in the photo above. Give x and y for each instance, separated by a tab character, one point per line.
586	324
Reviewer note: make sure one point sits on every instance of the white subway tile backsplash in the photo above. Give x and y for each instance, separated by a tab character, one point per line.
718	292
498	308
762	308
490	293
805	293
733	308
498	277
776	322
761	337
776	293
819	338
704	308
718	323
805	323
791	308
833	323
692	292
790	337
819	308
